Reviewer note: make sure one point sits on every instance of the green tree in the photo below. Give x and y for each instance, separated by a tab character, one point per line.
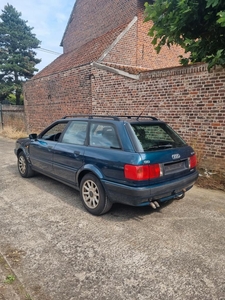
17	57
198	26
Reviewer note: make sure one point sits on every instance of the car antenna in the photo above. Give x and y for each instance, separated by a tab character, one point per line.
144	110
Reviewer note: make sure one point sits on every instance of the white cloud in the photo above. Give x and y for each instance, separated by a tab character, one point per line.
48	19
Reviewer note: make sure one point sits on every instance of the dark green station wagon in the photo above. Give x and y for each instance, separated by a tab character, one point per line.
132	160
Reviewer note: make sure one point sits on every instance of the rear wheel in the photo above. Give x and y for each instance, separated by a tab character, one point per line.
24	167
93	195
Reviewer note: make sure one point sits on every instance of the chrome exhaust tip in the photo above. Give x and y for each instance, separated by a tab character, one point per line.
154	204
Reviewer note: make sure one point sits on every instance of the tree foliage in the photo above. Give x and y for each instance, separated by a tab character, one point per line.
17	57
198	26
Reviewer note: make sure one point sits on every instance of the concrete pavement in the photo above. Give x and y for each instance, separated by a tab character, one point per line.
60	252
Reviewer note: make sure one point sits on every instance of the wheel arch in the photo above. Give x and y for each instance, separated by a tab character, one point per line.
19	151
89	169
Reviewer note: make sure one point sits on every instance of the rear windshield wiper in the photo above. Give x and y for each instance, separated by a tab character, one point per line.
159	147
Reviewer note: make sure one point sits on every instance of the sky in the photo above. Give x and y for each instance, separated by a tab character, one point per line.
48	19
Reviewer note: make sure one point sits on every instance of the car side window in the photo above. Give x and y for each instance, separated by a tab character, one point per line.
75	133
54	133
104	135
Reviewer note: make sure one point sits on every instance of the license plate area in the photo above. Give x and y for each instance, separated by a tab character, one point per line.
175	167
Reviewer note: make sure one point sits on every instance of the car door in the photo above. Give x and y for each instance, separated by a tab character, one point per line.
68	155
41	149
104	151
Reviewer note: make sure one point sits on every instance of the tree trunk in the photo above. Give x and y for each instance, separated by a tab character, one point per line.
18	93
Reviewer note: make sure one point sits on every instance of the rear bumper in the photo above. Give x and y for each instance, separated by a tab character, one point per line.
139	196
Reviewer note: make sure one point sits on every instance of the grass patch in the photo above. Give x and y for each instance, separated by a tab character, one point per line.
14	128
16	287
13	132
10	279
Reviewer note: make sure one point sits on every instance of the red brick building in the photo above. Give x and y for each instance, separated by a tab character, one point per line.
109	66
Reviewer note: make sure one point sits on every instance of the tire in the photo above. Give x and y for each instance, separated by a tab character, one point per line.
93	195
24	167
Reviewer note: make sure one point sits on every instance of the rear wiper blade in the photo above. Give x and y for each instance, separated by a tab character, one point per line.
160	146
166	146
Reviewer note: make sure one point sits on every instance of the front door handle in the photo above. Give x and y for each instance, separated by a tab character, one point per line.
76	153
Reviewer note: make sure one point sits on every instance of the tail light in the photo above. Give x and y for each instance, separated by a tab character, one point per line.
144	172
192	161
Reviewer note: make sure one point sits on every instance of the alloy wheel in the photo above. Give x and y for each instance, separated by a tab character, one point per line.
90	194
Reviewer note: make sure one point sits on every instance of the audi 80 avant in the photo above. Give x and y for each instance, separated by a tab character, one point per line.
132	160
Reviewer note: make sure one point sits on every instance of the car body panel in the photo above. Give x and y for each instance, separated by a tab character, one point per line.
41	153
140	196
110	162
67	160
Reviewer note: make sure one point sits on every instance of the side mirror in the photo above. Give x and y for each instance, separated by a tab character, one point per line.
33	136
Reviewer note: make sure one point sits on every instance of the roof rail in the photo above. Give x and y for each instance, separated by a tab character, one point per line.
116	118
92	117
139	117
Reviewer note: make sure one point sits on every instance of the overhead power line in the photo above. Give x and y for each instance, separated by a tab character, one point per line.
49	51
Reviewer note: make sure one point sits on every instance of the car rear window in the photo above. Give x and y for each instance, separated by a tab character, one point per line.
152	137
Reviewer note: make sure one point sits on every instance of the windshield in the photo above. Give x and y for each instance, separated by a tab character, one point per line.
150	137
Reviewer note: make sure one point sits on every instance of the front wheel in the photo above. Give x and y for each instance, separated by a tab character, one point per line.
24	168
93	195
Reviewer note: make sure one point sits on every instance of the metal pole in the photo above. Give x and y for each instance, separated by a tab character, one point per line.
1	116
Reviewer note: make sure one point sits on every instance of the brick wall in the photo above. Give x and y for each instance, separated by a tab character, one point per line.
146	54
91	19
135	48
190	99
125	51
52	97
